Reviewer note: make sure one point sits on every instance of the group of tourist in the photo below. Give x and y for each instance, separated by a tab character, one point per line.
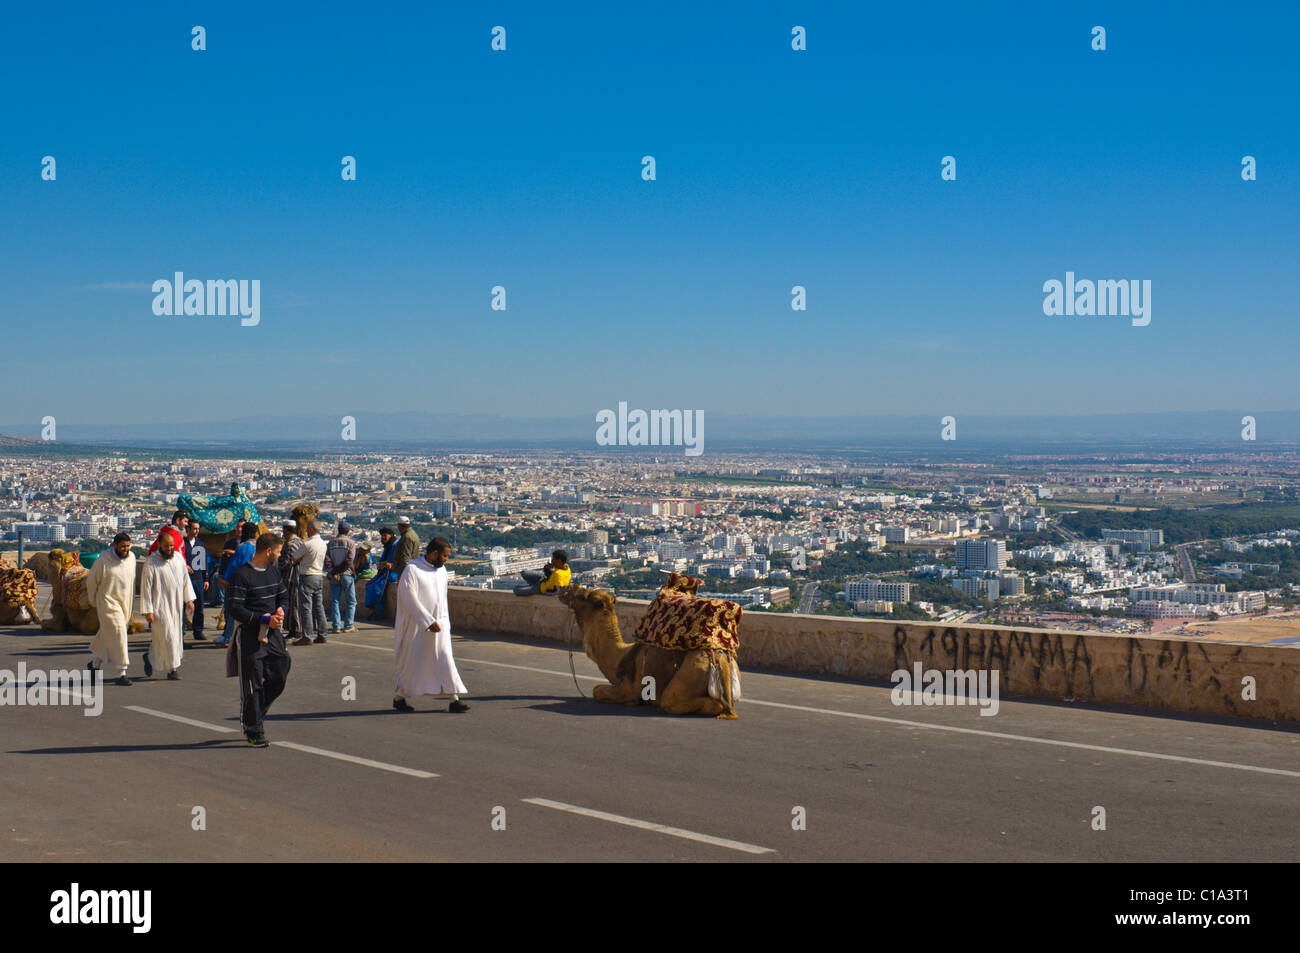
273	591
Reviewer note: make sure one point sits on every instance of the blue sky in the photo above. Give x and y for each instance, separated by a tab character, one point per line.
775	168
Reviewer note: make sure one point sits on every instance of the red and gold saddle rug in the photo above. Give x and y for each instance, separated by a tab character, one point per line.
680	621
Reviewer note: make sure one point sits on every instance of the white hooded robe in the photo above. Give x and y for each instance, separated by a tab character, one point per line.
424	661
109	587
165	587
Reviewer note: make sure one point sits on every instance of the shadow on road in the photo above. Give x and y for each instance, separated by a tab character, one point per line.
588	707
42	653
104	749
311	715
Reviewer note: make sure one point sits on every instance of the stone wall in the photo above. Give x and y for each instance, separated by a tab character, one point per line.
1177	674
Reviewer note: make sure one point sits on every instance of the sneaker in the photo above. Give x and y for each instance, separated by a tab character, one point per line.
458	706
334	630
257	741
173	676
199	636
400	704
148	666
220	640
319	640
301	640
122	680
351	628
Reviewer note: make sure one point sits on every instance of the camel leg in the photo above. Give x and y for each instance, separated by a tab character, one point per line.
679	699
610	695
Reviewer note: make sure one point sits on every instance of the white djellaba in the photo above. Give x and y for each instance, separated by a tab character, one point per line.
165	587
425	665
108	587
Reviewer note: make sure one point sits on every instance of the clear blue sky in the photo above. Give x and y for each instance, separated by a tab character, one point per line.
775	168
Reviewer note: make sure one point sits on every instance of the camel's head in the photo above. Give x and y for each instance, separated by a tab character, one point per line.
40	564
584	601
303	514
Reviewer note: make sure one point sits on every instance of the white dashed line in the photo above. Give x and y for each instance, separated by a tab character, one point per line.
336	755
650	826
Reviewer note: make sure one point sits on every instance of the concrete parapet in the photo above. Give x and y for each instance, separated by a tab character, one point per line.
1176	674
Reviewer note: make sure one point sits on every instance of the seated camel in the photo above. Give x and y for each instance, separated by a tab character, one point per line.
17	596
695	679
70	608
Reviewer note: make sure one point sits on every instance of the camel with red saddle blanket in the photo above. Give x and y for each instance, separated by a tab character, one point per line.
17	596
684	657
70	607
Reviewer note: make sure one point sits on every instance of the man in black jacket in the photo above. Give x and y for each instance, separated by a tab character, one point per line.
256	598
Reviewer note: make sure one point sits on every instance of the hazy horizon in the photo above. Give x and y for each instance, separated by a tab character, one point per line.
370	430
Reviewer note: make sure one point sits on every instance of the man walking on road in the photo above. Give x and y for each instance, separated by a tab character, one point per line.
257	597
166	597
422	637
310	561
110	587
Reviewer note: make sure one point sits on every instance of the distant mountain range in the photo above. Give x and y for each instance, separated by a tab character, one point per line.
9	440
433	430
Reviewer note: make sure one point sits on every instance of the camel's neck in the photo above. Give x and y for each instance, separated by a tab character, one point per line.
603	643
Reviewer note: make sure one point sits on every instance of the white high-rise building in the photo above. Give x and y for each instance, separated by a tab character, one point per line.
872	590
981	554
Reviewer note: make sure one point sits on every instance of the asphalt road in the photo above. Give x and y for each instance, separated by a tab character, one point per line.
575	780
808	600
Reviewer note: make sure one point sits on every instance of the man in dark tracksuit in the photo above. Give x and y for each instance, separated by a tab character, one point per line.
256	598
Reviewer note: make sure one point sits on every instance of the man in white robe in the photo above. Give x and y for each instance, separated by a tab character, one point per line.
422	636
110	587
167	600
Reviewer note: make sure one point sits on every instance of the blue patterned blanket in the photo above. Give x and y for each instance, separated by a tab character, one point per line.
219	514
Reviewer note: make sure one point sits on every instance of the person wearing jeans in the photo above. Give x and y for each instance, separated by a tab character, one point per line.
310	560
339	567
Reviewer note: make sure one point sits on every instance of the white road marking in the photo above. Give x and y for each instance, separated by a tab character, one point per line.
182	720
382	766
336	755
921	724
1042	741
650	826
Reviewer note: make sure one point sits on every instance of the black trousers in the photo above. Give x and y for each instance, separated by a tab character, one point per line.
196	621
261	682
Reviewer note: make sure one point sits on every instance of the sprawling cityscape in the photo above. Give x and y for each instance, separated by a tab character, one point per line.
1200	544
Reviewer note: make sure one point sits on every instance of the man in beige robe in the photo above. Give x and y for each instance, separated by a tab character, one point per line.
167	600
109	588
